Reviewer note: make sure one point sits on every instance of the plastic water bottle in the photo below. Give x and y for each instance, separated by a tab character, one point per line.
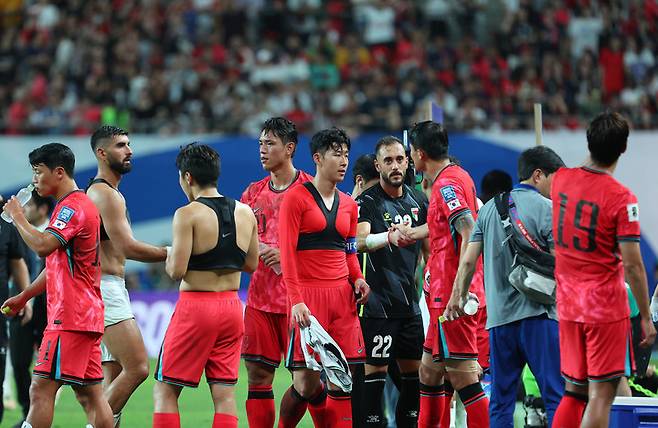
471	305
24	195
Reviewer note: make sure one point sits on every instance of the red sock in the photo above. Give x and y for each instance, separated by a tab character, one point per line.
260	406
293	407
431	406
570	411
222	420
338	410
476	404
446	401
317	408
166	420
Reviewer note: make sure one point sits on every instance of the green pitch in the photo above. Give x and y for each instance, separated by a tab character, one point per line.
195	404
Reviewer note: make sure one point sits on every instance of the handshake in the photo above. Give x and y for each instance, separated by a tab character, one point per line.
401	235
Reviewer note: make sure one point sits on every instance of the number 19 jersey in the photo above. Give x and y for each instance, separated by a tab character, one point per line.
592	213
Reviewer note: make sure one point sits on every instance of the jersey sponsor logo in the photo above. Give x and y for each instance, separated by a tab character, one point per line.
59	224
414	213
448	193
350	246
65	214
387	217
633	212
454	204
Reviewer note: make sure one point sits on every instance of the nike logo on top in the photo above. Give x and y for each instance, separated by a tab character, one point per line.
224	235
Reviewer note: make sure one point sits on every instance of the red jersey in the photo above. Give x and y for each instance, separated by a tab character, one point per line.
592	213
318	245
453	194
73	271
267	291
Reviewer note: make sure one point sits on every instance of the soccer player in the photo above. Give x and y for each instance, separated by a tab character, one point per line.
391	321
364	174
124	357
317	233
70	349
265	319
596	227
450	347
214	239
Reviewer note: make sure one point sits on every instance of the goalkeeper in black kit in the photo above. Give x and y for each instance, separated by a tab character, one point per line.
391	321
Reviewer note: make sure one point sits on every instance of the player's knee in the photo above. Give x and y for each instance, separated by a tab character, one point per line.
141	371
257	374
430	374
307	389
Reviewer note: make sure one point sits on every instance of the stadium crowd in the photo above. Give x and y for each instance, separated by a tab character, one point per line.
188	66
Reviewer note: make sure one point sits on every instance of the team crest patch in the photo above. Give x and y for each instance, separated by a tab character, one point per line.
633	212
59	224
448	193
65	214
414	213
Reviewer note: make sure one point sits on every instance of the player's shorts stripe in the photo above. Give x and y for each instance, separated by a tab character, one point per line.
581	382
59	237
260	359
291	347
228	382
158	369
627	364
444	352
179	382
58	366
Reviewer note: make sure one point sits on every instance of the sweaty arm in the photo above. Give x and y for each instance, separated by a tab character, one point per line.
112	209
251	261
636	275
290	218
43	243
181	246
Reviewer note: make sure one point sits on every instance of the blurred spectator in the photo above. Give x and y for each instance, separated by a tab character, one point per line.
184	66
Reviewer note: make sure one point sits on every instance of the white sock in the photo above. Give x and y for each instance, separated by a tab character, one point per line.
117	419
26	425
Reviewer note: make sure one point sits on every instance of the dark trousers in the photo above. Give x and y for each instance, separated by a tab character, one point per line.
3	360
533	341
23	341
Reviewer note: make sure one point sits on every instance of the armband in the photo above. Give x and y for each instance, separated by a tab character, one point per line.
350	245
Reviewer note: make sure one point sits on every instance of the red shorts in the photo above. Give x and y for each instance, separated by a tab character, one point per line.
205	332
451	340
71	357
595	352
335	309
482	338
265	336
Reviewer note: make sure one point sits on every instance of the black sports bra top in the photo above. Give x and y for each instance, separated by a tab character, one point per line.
226	254
104	236
327	238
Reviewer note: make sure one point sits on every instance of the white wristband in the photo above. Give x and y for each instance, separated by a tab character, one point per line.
375	241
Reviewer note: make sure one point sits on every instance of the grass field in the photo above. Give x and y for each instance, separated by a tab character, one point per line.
195	404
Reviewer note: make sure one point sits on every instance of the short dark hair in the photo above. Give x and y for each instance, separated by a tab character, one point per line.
40	201
365	167
282	128
387	141
539	157
105	131
431	137
607	137
495	182
54	155
201	161
327	139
